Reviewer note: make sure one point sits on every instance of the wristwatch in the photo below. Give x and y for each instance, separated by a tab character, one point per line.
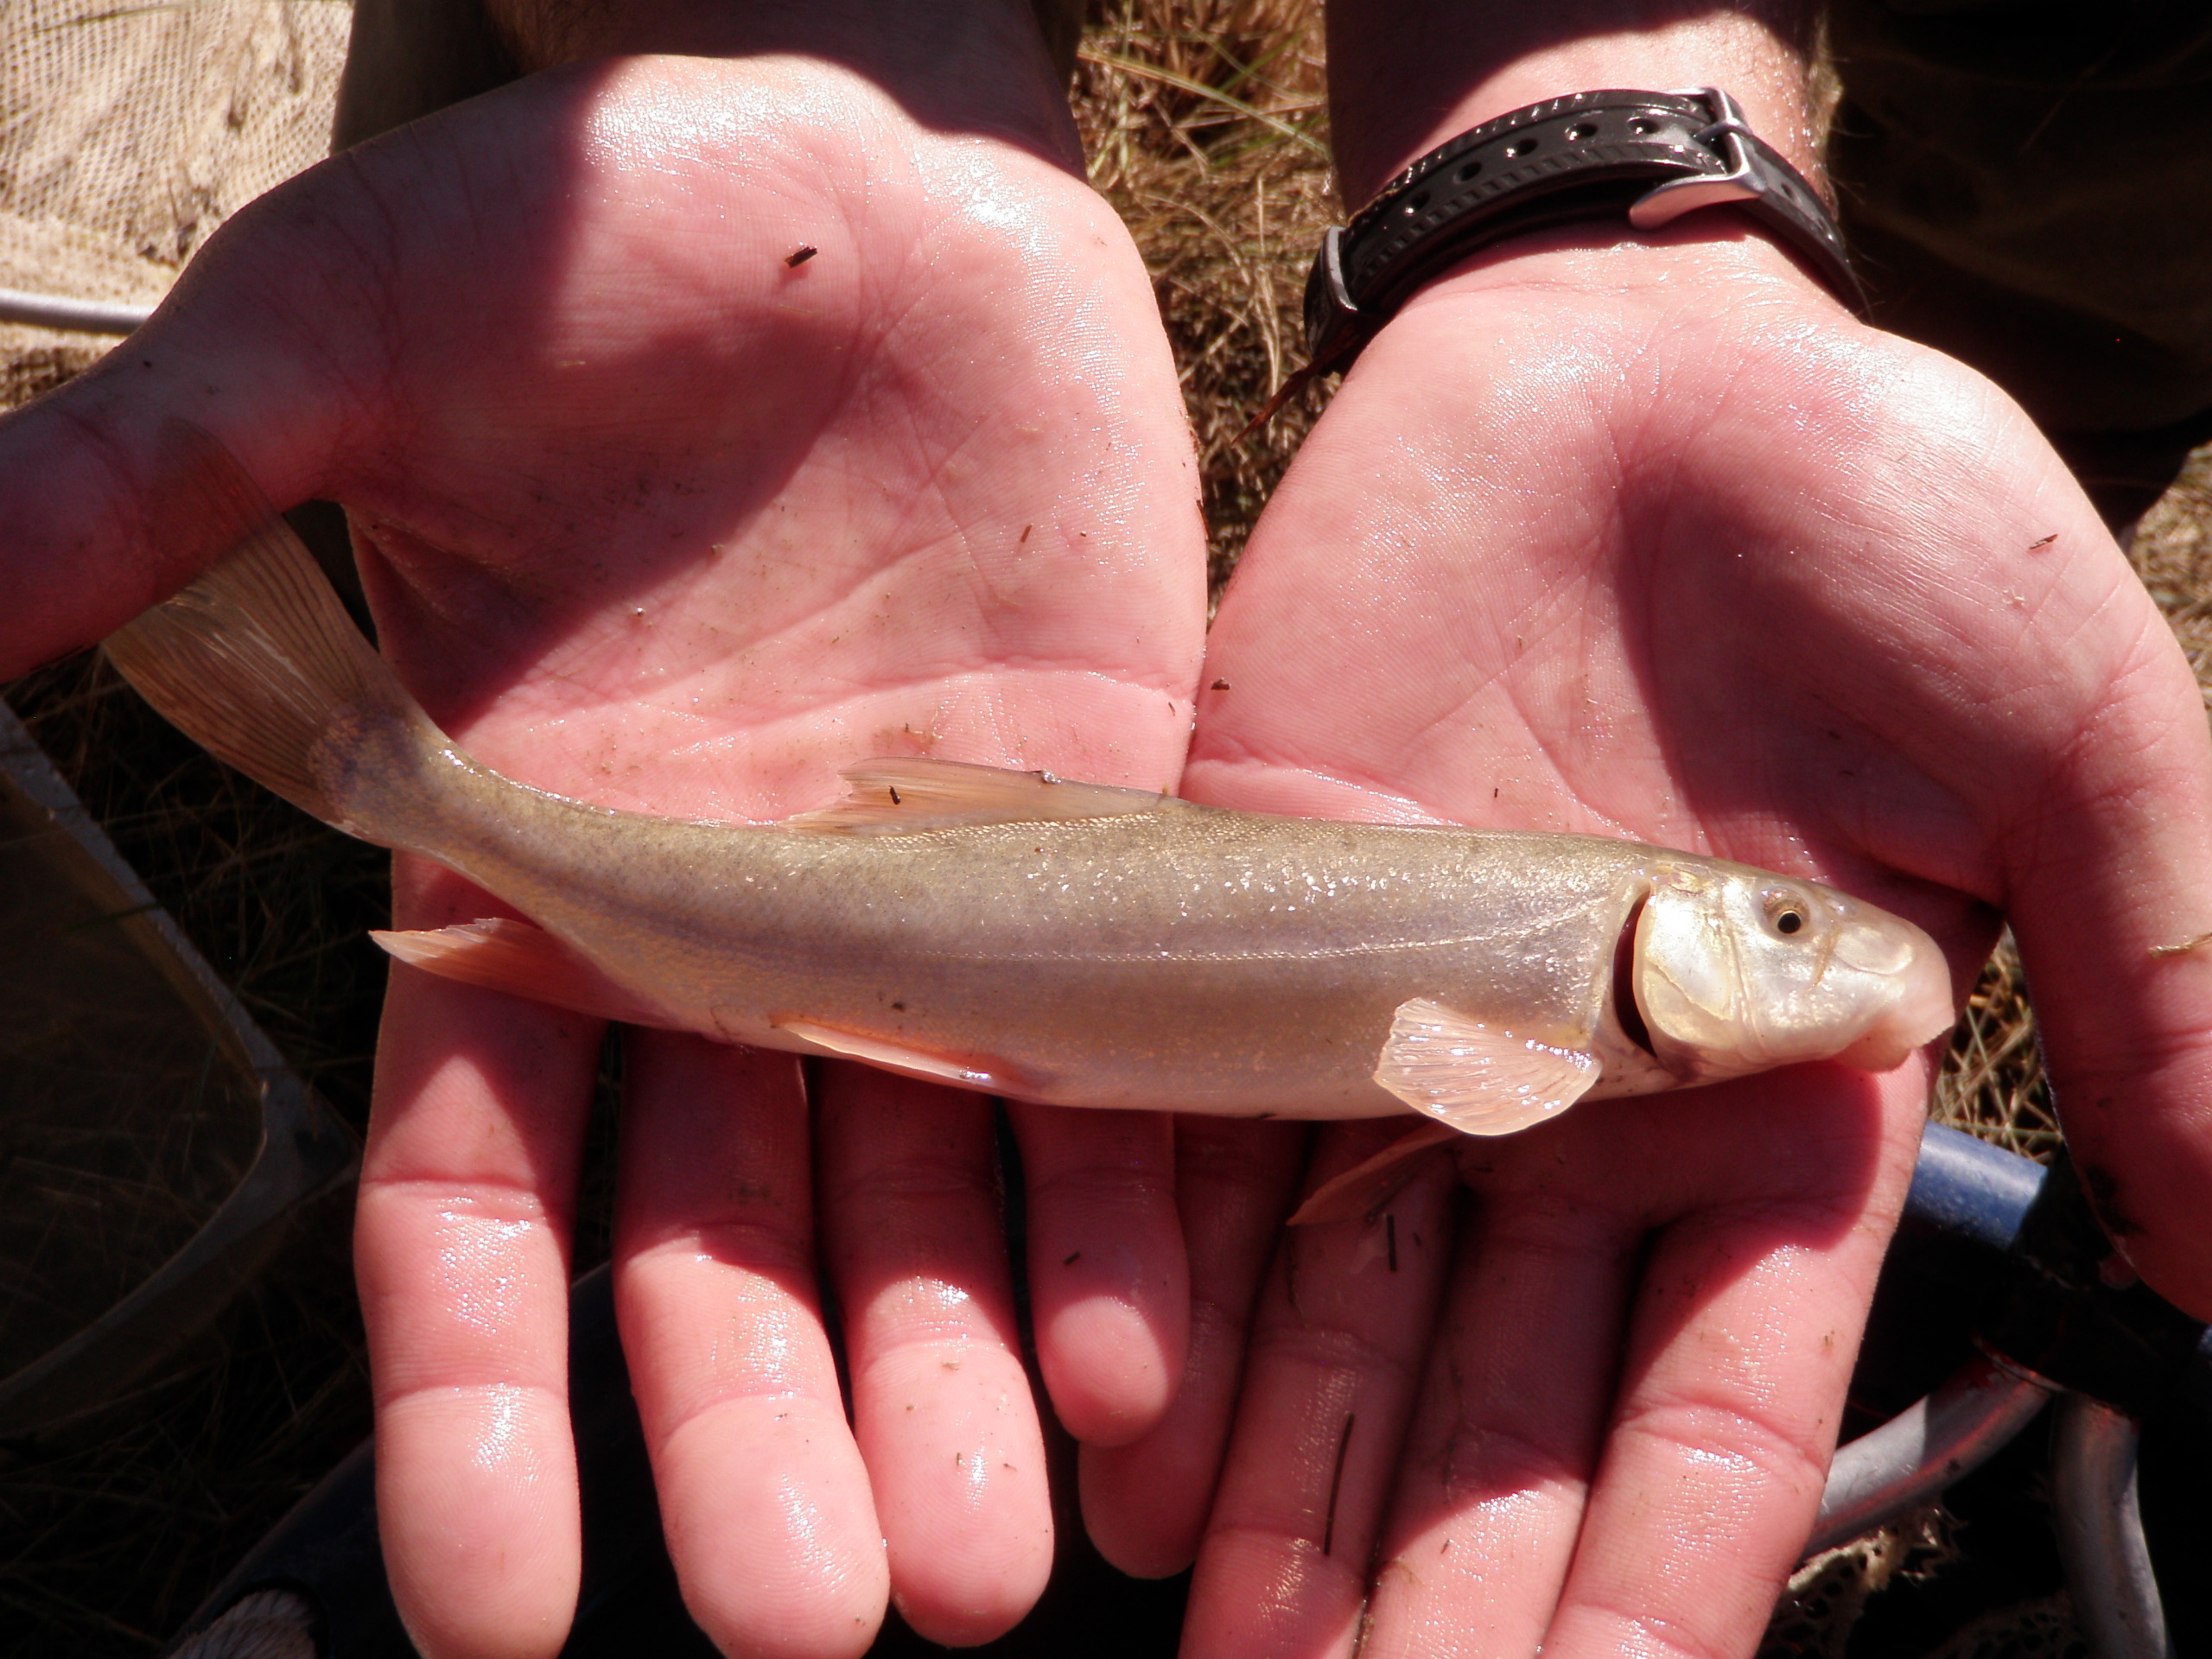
1644	158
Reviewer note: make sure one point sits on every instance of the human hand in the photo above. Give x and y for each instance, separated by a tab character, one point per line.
650	515
1648	537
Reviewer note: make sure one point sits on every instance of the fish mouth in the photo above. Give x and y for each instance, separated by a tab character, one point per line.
1921	1010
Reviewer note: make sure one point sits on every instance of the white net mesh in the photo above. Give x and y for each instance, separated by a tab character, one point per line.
129	132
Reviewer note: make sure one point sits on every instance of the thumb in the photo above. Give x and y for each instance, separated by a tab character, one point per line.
103	511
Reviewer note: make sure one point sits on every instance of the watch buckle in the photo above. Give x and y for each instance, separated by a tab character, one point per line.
1330	313
1665	203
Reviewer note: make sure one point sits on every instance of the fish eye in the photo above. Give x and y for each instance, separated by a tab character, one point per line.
1787	915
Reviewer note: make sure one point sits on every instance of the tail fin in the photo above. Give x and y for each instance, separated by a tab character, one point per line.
258	662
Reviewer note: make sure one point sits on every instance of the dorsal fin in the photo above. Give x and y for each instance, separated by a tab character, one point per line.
904	795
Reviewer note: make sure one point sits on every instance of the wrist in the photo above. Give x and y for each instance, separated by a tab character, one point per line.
1405	75
1703	265
1614	158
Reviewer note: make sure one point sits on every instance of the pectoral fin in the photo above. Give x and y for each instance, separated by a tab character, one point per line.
1478	1078
1364	1192
522	959
906	795
968	1071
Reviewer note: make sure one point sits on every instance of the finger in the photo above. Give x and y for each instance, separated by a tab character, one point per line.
1740	1351
2048	692
1109	1282
2107	896
916	1243
1337	1347
1506	1436
1144	1503
461	1247
768	1508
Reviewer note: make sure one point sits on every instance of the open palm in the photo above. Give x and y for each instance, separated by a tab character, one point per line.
1655	541
655	508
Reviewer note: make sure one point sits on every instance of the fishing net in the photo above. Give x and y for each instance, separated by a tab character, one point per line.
129	132
146	1127
120	1126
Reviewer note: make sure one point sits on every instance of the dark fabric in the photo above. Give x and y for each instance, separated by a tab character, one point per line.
2027	185
410	57
1061	22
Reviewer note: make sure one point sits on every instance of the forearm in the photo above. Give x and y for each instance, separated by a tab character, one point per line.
1405	75
992	46
979	65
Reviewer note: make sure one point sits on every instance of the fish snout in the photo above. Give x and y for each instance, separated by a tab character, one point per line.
1918	1007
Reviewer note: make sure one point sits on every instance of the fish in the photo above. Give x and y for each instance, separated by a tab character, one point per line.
1051	940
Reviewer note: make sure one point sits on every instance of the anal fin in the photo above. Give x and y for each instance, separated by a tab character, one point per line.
522	959
994	1076
1475	1077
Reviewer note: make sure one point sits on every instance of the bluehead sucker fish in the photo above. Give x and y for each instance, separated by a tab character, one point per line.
1055	941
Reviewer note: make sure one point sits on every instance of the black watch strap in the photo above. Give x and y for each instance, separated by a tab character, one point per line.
1646	157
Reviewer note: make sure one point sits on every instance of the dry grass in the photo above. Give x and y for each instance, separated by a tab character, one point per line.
1206	126
2173	554
1206	129
1993	1083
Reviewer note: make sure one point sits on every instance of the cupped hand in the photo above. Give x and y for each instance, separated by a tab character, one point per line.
1650	538
704	425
